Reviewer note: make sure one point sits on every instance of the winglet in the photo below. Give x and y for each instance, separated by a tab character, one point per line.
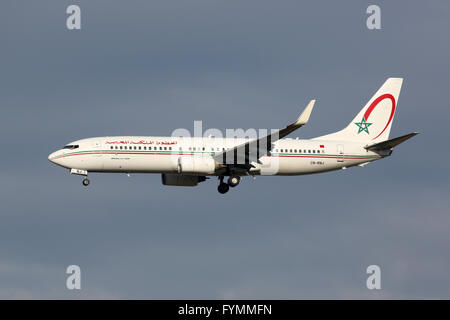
304	117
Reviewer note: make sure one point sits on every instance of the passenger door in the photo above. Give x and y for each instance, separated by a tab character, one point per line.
340	153
96	155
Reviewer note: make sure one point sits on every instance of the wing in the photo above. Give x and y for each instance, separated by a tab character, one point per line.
246	153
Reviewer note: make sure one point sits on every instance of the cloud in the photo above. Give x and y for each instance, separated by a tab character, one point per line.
141	68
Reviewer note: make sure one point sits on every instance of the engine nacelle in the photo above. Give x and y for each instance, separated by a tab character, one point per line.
196	165
173	179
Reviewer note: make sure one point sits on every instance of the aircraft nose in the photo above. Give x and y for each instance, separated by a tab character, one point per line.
52	156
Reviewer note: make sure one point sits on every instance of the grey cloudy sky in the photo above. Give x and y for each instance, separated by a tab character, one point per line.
148	67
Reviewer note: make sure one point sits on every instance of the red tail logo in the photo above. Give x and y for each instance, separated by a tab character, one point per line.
375	103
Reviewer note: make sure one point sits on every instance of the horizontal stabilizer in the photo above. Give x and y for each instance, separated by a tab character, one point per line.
391	143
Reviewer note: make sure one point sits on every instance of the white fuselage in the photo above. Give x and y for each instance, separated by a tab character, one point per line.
161	154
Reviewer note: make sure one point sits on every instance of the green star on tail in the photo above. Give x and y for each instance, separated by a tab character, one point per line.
363	125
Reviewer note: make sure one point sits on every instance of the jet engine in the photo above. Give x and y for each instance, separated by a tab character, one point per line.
173	179
196	165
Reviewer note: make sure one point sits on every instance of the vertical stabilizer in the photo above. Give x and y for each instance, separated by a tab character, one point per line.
373	123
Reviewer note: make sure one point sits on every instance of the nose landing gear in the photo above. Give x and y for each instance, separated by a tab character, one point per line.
81	172
86	182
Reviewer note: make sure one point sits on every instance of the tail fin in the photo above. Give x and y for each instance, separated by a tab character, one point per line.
373	123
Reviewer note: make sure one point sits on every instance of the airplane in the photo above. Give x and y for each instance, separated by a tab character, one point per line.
187	161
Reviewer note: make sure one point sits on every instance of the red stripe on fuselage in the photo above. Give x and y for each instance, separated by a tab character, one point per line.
190	154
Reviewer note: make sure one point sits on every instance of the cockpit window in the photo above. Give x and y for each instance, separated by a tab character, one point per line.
71	146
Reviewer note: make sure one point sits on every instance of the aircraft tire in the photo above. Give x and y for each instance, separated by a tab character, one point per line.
233	181
223	188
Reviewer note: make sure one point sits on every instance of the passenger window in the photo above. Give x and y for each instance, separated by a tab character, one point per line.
112	147
290	150
165	148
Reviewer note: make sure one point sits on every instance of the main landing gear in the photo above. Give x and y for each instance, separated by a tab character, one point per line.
233	181
223	187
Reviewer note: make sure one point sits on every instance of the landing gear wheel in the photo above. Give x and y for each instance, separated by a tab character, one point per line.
233	181
86	182
223	188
